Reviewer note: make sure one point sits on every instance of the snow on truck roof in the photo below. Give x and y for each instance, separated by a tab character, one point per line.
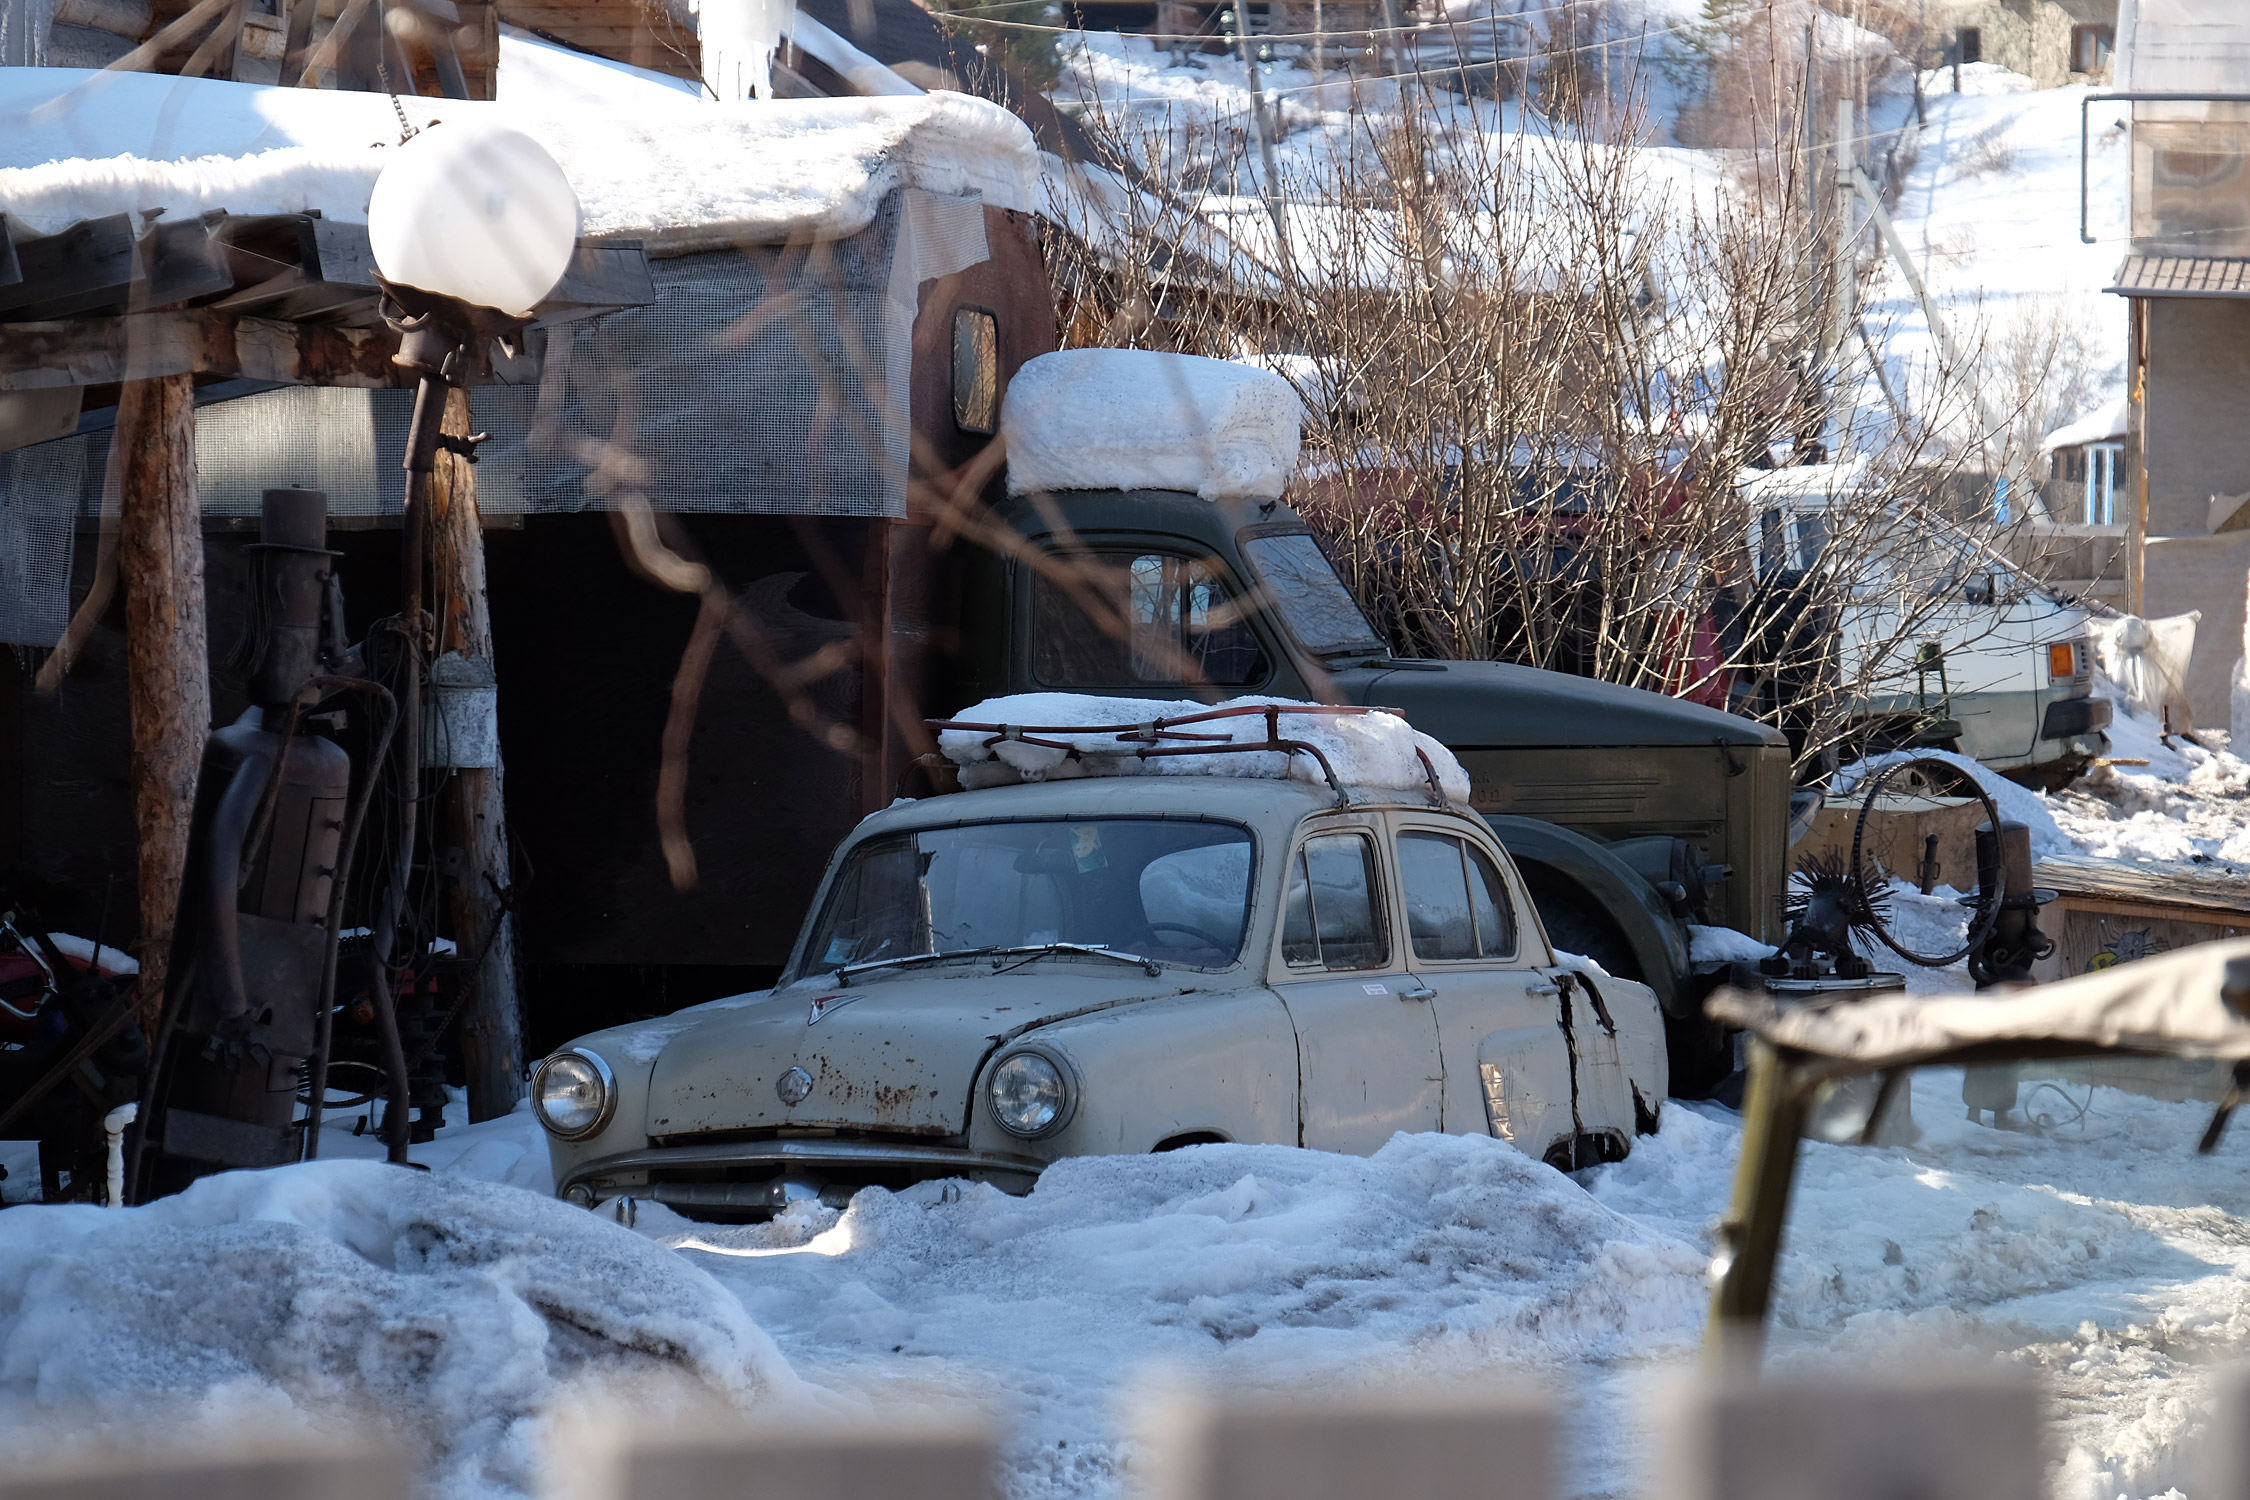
1055	736
1140	419
647	161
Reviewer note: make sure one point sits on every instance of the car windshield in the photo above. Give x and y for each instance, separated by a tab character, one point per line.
1320	611
1172	890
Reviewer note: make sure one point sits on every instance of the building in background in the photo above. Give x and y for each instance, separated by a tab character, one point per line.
2187	276
2050	42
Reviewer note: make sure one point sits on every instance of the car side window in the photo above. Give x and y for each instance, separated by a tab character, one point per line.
1129	619
1494	909
1333	918
1457	904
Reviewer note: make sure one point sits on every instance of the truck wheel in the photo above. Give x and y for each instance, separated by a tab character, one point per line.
1575	926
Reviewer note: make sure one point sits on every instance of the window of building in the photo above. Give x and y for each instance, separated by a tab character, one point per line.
2090	47
2100	465
1969	44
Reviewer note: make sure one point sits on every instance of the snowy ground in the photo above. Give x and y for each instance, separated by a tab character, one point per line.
463	1308
462	1313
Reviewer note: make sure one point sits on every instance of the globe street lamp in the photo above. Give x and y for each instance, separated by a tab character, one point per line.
472	225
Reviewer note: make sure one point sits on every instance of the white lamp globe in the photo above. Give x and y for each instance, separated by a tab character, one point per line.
474	211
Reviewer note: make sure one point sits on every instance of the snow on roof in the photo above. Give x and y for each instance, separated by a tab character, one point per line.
648	161
2191	1003
1367	750
1802	481
2099	426
1138	419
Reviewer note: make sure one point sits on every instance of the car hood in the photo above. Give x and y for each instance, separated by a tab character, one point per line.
896	1053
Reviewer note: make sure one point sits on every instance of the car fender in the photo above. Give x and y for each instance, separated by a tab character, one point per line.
1219	1062
1657	939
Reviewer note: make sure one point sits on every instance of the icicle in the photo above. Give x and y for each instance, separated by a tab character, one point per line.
739	38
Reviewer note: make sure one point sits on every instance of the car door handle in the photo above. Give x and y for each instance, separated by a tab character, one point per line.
1420	991
1543	987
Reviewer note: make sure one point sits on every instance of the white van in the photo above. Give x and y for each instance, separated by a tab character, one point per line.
1962	653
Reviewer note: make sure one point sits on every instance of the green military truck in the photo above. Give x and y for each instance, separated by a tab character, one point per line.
1632	815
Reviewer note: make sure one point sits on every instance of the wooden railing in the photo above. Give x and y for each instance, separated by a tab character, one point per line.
1975	1434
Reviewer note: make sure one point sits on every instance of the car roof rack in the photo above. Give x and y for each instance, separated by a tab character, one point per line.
1153	738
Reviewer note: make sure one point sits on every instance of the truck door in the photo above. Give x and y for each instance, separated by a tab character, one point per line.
1367	1045
1507	1062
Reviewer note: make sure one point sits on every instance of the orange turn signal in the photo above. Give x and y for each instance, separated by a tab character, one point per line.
2062	660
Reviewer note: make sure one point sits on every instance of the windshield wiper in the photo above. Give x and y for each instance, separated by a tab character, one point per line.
844	974
1027	954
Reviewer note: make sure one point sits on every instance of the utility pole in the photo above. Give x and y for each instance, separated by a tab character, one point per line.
1843	246
167	657
471	814
1275	208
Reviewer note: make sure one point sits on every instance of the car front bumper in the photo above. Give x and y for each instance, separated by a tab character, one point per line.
750	1178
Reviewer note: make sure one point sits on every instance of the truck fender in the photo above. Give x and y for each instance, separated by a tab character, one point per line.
1656	938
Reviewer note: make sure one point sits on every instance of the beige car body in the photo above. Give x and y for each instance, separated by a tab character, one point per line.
1569	1067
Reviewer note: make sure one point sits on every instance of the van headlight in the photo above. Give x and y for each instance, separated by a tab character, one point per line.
574	1093
1032	1094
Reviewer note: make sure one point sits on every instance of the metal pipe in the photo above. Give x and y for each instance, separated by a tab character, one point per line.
324	1018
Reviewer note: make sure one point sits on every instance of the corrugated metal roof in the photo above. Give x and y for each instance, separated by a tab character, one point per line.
2182	276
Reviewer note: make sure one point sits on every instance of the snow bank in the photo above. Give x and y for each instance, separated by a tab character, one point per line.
647	161
1137	419
2017	804
1372	750
456	1312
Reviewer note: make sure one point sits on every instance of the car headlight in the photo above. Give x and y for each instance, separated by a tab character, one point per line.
1031	1094
574	1093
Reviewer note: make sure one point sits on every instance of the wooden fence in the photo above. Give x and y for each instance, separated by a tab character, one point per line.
1938	1435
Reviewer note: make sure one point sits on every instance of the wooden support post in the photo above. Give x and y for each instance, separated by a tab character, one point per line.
471	816
168	676
875	661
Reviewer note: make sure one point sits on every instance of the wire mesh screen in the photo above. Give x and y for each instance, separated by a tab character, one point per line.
758	381
39	498
765	380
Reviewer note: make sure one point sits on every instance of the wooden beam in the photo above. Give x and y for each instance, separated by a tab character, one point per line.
194	341
471	814
167	661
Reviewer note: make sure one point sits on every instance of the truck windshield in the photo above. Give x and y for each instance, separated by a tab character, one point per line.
1172	890
1309	596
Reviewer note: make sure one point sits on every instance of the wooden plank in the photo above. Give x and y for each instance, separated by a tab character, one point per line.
289	1474
178	263
927	1459
1936	1434
2167	884
88	265
1496	1444
471	813
167	664
198	341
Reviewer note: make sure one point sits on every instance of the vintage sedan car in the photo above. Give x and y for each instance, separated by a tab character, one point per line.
992	980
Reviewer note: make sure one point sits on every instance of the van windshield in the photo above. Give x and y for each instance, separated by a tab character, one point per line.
1172	890
1306	592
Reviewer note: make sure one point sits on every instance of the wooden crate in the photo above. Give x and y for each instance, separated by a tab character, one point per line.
1895	833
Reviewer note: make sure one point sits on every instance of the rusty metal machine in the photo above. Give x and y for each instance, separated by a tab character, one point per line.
245	1026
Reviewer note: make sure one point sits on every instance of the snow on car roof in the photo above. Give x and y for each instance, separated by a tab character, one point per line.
1054	736
1141	419
649	162
2191	1003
